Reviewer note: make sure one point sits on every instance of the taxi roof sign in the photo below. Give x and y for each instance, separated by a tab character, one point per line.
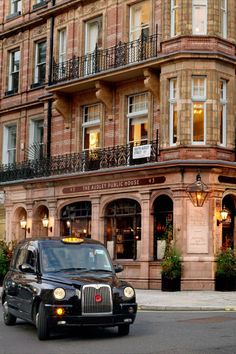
72	240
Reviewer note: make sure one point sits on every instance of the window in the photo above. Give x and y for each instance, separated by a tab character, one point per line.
138	118
139	20
14	67
174	17
223	15
199	17
15	7
93	35
91	127
62	46
173	112
36	139
40	63
9	144
198	109
223	112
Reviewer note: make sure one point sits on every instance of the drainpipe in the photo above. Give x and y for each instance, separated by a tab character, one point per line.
50	72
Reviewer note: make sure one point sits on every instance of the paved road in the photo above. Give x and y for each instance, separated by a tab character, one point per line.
152	333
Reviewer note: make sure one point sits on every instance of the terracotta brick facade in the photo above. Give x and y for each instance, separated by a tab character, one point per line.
120	68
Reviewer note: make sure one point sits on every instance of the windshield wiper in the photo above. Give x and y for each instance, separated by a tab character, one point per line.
102	270
72	268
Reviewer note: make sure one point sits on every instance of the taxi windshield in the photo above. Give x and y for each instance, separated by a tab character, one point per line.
57	256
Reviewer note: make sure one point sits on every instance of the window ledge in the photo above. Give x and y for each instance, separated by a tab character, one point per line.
40	5
11	93
37	85
12	16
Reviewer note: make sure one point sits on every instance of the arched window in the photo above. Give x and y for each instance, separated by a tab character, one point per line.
76	219
163	222
123	227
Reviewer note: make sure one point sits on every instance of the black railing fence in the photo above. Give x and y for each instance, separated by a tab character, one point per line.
120	155
146	47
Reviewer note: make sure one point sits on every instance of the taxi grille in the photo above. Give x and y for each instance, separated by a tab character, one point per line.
96	299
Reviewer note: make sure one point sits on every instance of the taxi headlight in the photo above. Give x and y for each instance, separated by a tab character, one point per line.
128	292
59	293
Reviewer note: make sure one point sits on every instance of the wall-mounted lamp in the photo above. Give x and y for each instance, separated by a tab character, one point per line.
224	215
197	191
45	222
23	224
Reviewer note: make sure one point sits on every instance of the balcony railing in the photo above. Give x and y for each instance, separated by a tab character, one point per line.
120	155
106	59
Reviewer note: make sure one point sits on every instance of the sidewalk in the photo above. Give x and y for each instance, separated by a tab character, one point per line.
186	300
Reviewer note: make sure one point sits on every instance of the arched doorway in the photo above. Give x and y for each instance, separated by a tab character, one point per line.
228	230
76	219
163	223
123	227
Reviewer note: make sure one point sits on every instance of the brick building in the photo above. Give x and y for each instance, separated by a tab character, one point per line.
111	113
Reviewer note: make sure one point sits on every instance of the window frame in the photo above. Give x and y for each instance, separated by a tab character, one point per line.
173	23
12	72
224	18
144	27
172	104
38	64
90	124
62	39
15	7
7	151
195	4
223	105
136	115
34	123
202	100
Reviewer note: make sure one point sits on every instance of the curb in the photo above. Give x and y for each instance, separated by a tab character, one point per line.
186	308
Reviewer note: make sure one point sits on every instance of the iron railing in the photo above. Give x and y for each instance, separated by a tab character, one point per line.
146	47
91	160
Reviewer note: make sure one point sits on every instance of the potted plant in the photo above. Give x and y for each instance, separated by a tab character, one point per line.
225	276
171	270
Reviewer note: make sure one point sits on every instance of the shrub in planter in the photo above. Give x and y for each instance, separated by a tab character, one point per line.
5	258
225	276
171	270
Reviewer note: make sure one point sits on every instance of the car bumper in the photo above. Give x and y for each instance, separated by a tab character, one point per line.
127	316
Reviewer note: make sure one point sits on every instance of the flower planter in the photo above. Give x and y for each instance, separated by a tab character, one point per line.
168	284
224	283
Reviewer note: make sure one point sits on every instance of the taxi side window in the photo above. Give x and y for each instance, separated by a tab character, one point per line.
31	258
21	255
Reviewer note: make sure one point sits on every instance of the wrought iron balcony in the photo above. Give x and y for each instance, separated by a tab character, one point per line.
91	160
106	59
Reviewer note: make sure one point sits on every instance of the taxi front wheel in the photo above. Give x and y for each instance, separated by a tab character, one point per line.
8	318
42	323
123	330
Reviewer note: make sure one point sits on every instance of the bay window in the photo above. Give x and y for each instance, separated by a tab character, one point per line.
198	110
173	121
223	112
199	20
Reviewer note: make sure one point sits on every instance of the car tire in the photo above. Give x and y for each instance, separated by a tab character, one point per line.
42	323
123	330
8	318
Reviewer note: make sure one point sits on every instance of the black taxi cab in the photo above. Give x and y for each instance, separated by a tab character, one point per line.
54	282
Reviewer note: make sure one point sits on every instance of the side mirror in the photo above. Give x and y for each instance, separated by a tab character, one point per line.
26	268
118	268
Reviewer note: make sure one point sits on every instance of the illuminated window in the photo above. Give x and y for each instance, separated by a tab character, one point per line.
223	15
138	118
175	17
91	127
139	20
223	112
198	110
173	112
199	17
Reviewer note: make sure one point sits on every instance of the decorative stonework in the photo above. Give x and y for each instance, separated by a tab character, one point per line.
105	94
40	30
62	104
152	83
